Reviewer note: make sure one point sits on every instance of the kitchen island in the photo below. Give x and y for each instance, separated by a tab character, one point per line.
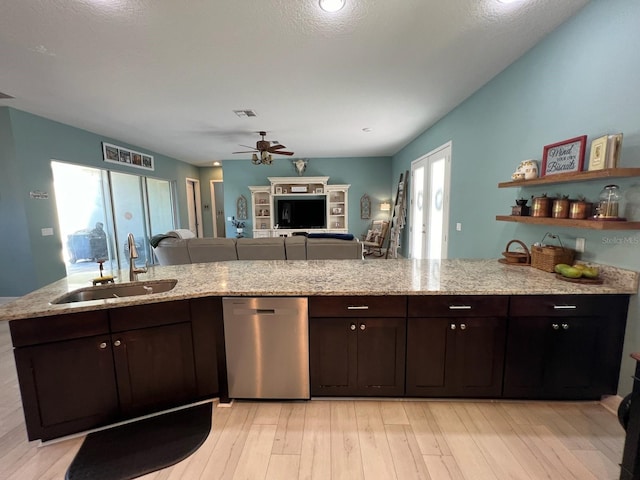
451	328
332	278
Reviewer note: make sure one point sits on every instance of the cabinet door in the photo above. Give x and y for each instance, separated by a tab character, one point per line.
455	357
553	358
333	356
476	361
426	356
572	355
381	356
155	367
67	386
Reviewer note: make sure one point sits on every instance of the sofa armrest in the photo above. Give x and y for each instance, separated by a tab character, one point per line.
172	251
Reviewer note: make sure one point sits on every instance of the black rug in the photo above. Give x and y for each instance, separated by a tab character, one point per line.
137	448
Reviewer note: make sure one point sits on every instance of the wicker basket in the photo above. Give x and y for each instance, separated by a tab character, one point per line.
548	256
517	257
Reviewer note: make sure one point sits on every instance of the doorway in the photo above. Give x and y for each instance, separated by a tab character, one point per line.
194	206
430	184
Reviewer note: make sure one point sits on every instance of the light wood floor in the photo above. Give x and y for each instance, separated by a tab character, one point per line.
358	439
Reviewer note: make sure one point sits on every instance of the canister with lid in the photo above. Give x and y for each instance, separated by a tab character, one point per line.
560	207
579	209
541	206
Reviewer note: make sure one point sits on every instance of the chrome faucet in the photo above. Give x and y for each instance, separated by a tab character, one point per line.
133	254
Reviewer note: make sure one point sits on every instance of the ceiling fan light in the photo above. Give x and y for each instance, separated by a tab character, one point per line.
331	5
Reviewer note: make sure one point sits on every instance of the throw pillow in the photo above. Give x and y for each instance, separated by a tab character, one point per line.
370	236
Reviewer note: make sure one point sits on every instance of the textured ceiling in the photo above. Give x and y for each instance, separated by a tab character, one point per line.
166	75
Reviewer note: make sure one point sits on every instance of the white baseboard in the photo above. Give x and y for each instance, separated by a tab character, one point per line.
611	402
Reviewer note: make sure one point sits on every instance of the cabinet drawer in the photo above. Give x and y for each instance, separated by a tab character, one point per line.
394	306
458	306
567	305
34	331
150	315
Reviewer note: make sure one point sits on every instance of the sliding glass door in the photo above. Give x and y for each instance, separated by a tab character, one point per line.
97	209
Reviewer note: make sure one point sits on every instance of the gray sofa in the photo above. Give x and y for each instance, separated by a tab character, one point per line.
177	251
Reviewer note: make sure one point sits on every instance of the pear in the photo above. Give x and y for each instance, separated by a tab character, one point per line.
590	272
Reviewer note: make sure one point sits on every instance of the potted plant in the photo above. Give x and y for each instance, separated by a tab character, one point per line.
239	227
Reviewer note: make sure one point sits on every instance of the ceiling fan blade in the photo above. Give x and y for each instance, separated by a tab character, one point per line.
246	146
250	151
276	147
282	153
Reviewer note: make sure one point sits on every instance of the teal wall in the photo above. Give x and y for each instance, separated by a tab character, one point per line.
29	143
584	78
16	261
365	175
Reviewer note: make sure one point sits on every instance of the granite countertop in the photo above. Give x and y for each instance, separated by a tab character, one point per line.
329	277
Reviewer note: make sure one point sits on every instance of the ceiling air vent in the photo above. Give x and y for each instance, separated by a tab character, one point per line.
245	113
4	95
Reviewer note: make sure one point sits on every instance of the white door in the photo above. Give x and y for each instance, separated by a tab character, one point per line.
217	208
194	206
429	224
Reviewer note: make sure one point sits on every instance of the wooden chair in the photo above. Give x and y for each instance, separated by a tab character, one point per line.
372	242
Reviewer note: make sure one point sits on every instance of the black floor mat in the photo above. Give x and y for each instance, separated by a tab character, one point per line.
135	449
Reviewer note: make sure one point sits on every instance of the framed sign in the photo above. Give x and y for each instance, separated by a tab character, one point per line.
563	157
598	153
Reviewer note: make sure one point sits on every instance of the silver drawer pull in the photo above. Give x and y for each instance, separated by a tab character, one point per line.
555	326
459	307
358	307
564	307
463	326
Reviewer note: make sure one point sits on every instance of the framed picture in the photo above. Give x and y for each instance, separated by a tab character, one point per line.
278	190
365	207
336	211
563	157
115	154
319	190
598	153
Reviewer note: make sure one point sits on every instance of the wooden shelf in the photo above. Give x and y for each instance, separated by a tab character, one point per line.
574	177
569	222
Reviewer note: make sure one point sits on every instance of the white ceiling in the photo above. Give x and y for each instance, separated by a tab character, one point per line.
166	75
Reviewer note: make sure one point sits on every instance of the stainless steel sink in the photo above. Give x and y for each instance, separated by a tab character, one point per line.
117	290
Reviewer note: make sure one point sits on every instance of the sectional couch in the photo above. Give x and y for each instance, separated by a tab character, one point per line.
173	250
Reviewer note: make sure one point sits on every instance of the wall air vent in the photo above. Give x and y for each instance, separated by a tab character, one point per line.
4	95
245	113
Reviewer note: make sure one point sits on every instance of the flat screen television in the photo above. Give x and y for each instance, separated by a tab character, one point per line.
301	212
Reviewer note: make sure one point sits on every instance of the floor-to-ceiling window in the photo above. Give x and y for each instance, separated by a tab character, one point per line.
97	209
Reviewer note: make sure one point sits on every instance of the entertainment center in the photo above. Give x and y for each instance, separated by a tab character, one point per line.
299	204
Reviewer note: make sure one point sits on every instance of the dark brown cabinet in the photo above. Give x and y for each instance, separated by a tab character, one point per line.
154	368
67	386
455	346
357	345
564	347
80	371
153	356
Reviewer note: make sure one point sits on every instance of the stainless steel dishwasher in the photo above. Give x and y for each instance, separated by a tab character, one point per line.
267	347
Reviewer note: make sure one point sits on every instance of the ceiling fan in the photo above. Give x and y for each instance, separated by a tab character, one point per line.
263	150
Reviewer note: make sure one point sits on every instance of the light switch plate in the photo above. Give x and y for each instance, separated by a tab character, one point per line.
47	231
580	244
